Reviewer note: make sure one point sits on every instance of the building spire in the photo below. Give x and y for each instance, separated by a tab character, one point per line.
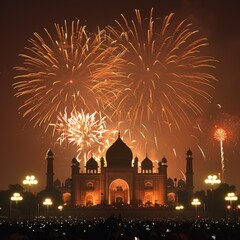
189	173
49	173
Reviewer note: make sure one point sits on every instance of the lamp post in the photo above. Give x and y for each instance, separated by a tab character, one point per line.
30	180
231	197
47	202
60	208
15	197
212	180
195	202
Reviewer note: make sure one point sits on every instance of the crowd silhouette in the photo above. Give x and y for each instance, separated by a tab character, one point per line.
115	227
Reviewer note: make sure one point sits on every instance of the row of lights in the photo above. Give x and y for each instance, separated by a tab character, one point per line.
212	180
30	181
47	202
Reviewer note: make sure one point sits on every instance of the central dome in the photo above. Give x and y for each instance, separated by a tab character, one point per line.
119	155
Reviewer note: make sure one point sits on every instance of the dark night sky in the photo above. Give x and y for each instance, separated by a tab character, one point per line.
23	147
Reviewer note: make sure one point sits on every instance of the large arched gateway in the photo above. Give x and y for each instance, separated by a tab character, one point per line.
119	192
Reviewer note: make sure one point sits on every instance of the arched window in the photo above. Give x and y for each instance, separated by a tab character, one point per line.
90	186
148	184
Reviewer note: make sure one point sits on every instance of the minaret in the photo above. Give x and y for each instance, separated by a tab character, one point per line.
102	164
189	173
74	186
162	167
75	167
135	164
49	173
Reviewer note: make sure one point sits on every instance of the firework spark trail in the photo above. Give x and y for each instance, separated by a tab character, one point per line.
165	73
221	135
222	162
201	150
74	69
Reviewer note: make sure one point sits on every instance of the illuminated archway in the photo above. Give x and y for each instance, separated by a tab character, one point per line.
148	199
119	192
89	200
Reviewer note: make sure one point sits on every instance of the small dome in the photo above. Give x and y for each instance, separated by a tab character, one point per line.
147	163
75	162
50	153
170	182
68	182
189	153
119	155
57	183
164	160
181	183
91	164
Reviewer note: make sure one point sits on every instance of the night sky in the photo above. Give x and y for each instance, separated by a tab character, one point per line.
23	148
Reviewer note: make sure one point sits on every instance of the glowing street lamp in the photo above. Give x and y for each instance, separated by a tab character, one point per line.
60	208
231	197
47	202
16	197
179	207
195	202
30	180
212	180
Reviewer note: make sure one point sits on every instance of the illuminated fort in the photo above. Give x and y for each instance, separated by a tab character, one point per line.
116	181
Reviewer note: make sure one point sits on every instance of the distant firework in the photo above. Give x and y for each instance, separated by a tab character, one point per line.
220	134
71	68
166	75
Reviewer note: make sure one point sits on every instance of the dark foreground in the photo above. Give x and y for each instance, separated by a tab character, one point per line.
117	227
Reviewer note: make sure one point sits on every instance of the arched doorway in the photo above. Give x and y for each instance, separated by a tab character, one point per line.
119	192
148	199
89	200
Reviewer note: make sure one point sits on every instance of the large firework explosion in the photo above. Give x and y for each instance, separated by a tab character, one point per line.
166	74
69	69
150	75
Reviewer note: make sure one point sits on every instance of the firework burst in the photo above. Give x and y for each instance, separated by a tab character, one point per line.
72	68
86	131
165	71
